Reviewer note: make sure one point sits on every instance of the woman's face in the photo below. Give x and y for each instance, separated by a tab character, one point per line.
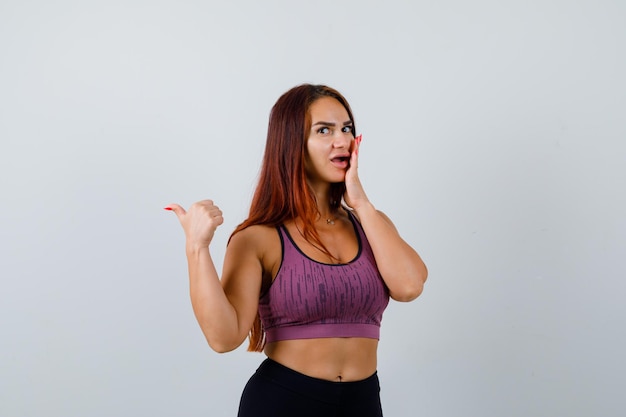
329	144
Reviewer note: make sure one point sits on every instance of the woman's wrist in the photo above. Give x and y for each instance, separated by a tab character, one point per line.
364	209
194	248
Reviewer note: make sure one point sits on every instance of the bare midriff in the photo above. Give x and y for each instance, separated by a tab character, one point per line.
331	359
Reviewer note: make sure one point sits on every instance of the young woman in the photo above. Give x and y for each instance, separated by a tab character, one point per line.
309	273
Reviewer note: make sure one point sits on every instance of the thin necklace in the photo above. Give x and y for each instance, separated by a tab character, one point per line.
331	220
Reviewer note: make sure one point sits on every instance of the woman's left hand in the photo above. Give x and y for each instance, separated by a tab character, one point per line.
354	196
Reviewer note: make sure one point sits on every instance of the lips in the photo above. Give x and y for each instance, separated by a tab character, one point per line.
341	161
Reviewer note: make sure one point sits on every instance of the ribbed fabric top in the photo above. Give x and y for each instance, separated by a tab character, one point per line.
310	299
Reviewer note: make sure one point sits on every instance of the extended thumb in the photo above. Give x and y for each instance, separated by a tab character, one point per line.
178	210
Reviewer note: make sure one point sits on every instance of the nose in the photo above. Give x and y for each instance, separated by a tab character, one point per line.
342	139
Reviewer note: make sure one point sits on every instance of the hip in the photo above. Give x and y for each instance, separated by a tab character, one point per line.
276	390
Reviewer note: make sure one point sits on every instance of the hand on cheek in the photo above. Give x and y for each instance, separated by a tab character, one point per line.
355	151
355	195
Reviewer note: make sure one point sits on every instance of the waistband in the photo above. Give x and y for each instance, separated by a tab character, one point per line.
320	389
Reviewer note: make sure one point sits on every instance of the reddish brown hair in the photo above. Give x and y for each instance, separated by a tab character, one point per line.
282	192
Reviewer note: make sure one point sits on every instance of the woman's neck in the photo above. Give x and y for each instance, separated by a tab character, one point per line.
322	197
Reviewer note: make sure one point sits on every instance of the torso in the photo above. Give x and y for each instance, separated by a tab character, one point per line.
333	359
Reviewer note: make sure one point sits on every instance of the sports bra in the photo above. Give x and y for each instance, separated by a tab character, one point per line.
310	299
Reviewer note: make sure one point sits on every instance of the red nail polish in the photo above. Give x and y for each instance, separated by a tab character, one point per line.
167	208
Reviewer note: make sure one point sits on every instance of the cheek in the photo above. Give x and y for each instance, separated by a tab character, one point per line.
312	151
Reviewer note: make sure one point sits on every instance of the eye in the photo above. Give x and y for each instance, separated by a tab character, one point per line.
323	130
347	129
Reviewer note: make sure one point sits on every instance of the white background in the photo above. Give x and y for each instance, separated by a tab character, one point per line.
494	136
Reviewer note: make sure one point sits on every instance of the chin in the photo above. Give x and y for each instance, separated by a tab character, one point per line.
337	179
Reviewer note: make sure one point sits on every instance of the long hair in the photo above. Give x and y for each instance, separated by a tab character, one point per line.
282	192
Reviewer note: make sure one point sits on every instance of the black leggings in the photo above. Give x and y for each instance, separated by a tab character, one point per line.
277	391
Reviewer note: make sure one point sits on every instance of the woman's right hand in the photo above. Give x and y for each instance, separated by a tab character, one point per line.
199	222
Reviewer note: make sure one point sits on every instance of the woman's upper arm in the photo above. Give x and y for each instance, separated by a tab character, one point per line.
242	276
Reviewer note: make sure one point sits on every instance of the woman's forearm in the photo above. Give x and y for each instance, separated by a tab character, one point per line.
400	265
215	314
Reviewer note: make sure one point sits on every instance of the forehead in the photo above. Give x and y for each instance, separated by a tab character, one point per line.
328	109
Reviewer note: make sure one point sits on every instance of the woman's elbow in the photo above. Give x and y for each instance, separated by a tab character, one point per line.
408	293
221	347
218	347
220	344
410	290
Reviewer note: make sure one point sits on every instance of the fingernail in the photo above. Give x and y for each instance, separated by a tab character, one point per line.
167	208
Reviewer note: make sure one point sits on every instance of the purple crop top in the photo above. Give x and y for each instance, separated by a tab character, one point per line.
310	299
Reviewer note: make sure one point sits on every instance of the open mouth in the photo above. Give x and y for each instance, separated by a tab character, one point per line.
341	162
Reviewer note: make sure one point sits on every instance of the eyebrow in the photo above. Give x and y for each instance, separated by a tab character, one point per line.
322	123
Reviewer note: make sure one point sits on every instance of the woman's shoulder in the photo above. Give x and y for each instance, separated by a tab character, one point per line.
260	241
259	238
258	234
